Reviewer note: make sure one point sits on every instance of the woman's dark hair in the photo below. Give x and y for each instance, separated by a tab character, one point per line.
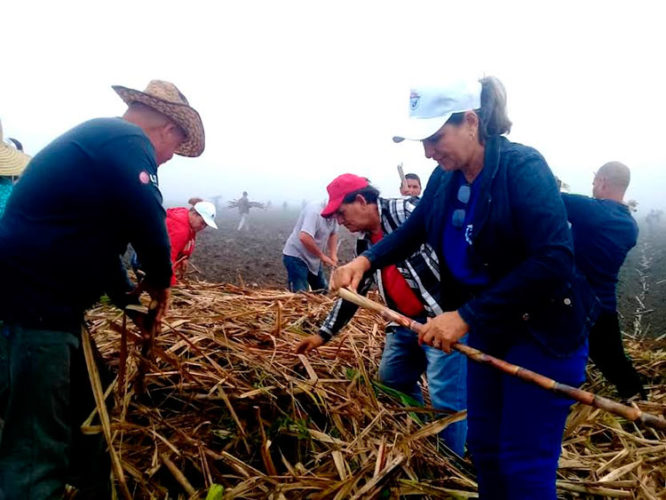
493	118
369	193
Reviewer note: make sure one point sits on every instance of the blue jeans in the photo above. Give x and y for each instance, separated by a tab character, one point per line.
299	276
516	427
403	362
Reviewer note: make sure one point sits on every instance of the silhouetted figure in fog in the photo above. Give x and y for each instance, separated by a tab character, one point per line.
653	219
604	231
244	205
216	201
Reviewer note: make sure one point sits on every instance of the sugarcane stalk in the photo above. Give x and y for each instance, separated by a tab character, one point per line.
403	179
585	397
148	333
98	393
122	365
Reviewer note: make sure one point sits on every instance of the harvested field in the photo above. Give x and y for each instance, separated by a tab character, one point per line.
228	403
254	259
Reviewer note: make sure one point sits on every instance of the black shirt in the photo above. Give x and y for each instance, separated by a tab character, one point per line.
603	231
78	204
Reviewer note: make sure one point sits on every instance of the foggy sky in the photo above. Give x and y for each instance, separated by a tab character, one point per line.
294	93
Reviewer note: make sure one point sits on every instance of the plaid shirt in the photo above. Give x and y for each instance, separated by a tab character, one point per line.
420	270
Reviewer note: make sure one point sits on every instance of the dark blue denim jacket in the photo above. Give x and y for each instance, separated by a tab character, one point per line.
520	237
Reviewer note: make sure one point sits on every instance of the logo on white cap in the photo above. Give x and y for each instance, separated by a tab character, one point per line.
414	99
431	107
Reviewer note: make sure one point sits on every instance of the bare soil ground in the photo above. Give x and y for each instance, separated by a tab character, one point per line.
254	258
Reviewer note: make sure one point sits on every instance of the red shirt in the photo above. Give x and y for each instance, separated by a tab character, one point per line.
396	287
181	236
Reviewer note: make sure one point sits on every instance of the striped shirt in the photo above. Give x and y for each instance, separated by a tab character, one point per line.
420	270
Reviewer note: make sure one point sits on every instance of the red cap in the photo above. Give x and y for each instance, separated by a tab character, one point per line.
341	186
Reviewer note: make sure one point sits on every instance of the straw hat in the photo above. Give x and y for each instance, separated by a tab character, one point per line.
167	99
12	161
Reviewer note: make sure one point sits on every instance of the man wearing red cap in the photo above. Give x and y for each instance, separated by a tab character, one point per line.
411	287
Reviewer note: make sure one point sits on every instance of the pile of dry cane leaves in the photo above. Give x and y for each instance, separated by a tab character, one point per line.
231	412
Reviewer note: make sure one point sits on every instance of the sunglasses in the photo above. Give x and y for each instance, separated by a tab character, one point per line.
459	214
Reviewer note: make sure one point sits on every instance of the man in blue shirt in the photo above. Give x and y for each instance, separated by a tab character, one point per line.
79	203
604	231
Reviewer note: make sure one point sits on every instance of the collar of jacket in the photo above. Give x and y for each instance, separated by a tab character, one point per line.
446	191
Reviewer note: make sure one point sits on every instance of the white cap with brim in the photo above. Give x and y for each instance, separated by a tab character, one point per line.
207	211
431	107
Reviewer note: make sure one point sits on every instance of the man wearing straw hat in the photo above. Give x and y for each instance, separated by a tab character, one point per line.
79	203
12	162
412	287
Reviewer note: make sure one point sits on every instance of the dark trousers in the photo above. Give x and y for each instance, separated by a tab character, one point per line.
299	276
515	427
45	399
608	354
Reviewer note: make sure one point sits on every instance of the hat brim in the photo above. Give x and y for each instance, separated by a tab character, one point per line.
208	220
418	129
12	161
185	116
332	207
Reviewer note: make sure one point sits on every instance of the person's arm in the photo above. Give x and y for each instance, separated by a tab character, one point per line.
541	221
342	312
395	247
577	205
333	247
118	286
138	203
179	237
312	248
411	234
307	233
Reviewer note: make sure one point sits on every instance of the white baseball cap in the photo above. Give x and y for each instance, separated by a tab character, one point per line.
207	211
431	107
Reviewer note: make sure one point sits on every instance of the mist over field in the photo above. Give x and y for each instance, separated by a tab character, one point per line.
305	91
180	182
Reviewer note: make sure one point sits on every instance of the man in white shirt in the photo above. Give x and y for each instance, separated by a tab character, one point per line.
307	247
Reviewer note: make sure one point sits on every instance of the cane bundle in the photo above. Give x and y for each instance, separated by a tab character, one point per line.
230	408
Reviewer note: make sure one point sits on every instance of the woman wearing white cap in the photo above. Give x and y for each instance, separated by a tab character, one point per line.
493	213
